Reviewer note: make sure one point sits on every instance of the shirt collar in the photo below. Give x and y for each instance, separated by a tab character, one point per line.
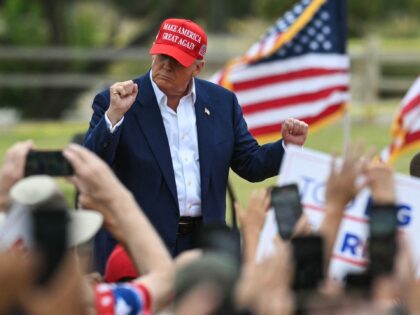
162	98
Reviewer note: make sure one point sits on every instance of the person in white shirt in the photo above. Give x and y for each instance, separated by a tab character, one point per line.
171	139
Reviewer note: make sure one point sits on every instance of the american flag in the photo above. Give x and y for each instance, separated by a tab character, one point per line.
299	68
406	126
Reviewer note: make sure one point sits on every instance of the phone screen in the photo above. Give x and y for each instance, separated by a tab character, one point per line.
51	163
308	252
382	241
287	207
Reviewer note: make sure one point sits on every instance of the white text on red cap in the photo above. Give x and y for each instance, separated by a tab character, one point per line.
183	31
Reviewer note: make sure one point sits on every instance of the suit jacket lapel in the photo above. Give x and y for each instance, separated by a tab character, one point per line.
204	118
151	123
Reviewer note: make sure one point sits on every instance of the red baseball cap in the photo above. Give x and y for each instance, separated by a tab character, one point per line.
181	39
119	266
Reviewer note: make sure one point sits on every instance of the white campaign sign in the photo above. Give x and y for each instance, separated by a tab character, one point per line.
310	170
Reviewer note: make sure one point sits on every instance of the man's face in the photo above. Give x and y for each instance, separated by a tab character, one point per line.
171	77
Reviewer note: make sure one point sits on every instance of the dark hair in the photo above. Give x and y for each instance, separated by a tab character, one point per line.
415	165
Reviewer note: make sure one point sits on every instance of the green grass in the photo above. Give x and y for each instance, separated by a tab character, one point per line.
365	126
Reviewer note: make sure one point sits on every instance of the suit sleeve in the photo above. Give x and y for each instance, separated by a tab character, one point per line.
250	160
98	138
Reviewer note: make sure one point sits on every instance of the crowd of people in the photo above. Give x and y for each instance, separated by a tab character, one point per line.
149	235
206	280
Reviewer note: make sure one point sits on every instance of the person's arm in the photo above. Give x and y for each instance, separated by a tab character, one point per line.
109	108
12	169
341	189
146	249
102	191
256	162
265	288
252	221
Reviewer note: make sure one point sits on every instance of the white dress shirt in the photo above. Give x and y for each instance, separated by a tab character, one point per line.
181	130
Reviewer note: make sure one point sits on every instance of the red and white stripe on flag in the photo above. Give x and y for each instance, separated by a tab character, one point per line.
298	69
406	125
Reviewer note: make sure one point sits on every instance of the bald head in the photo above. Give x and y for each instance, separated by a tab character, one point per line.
415	165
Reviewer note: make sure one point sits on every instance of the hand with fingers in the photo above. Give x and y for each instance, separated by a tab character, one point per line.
302	226
100	190
252	221
13	169
123	95
294	131
253	218
98	187
261	284
380	179
342	187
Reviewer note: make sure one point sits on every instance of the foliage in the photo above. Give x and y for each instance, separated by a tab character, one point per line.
51	23
24	24
95	23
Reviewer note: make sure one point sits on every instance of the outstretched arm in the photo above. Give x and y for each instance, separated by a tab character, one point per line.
256	162
102	191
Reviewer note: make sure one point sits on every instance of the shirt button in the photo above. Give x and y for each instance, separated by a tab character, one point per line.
189	183
186	159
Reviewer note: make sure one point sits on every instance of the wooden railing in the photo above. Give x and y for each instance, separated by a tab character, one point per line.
368	81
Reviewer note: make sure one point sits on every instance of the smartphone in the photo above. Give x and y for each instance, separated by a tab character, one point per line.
51	163
382	240
308	254
287	208
50	239
358	282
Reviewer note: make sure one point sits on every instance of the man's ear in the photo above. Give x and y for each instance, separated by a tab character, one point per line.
198	67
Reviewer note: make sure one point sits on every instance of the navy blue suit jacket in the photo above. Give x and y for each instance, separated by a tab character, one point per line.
138	151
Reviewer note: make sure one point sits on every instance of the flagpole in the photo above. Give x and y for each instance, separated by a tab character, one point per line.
346	128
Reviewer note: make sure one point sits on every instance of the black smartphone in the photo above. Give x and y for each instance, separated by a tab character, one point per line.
308	253
287	208
358	282
382	240
51	163
50	237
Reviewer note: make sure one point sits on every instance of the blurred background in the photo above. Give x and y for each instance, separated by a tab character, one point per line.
55	55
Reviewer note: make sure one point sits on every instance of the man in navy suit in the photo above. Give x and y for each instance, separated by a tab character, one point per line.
171	139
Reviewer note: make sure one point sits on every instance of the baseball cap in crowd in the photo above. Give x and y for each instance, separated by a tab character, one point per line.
37	193
119	266
181	39
212	267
